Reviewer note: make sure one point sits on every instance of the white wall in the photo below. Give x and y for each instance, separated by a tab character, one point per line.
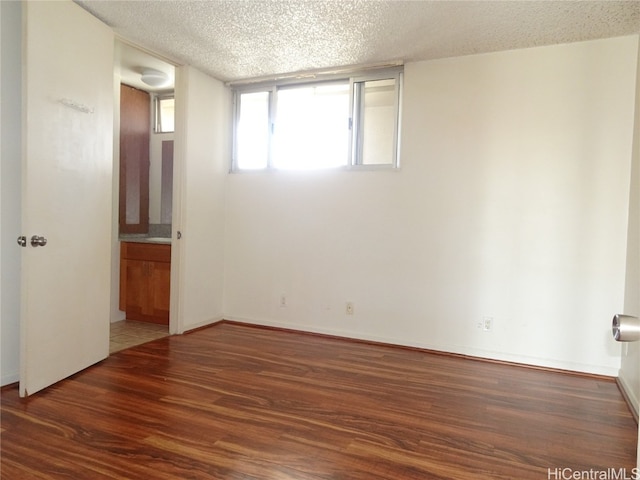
201	154
511	203
10	177
629	374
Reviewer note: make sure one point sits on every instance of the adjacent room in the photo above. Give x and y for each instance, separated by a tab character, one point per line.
373	240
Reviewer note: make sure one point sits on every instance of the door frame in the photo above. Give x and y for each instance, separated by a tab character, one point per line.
116	314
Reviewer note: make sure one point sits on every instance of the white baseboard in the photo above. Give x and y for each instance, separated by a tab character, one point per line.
630	395
204	323
454	349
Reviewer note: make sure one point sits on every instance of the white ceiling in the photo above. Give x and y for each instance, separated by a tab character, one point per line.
239	39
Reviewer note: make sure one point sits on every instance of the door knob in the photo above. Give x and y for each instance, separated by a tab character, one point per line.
37	241
22	241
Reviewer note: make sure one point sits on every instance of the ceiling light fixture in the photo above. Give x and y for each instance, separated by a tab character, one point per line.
154	78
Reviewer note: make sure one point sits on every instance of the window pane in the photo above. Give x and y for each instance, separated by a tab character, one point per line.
166	114
312	127
377	129
252	142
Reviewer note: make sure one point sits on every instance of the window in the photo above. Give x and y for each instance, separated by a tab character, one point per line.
375	124
339	122
252	131
164	113
311	126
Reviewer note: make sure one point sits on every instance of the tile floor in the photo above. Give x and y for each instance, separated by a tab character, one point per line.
127	333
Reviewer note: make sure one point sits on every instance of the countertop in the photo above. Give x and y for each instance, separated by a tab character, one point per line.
144	239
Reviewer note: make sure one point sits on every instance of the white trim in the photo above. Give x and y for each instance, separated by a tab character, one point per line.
453	349
176	314
313	75
153	53
628	390
205	323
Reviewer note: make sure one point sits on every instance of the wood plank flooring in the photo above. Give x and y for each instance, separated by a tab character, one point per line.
236	402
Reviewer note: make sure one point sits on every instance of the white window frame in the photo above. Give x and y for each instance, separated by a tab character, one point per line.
157	116
354	155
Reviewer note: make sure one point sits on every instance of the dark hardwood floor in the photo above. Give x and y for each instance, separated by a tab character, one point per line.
236	402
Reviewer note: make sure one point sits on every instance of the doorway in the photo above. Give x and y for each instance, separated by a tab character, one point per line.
143	182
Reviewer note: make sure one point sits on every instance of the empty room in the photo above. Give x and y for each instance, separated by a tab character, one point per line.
320	239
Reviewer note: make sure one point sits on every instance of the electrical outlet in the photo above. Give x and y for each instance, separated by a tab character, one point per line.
487	323
283	300
349	308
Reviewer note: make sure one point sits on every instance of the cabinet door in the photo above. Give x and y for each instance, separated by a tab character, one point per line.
145	281
147	291
135	125
137	289
159	294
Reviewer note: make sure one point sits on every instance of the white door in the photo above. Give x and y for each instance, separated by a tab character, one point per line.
67	192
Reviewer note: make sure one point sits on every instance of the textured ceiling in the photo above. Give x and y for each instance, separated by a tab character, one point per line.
240	39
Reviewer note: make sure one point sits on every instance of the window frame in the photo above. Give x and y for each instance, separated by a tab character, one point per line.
354	154
357	113
157	116
236	117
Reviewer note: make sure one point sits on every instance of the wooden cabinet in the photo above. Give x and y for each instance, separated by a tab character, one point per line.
145	279
135	126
